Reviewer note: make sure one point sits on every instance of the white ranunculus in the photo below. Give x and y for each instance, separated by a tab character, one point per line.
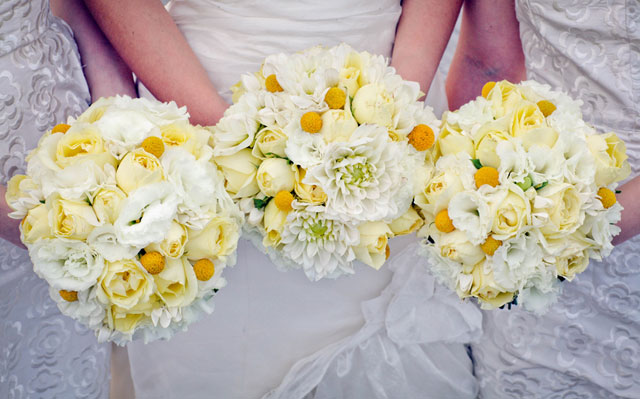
486	139
275	175
103	240
138	168
66	264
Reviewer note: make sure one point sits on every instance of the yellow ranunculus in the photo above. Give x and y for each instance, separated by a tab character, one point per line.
124	283
269	141
409	222
452	141
106	204
70	218
275	175
218	239
239	171
484	287
138	168
372	104
308	193
511	212
611	158
35	226
372	249
173	244
457	247
487	138
177	284
274	221
337	125
82	142
564	210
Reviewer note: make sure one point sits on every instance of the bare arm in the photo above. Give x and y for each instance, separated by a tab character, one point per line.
149	41
103	68
423	32
8	227
630	222
489	48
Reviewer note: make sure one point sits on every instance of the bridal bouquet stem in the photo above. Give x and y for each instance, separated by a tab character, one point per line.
322	151
127	218
522	194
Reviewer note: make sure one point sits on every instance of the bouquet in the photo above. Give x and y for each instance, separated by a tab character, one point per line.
127	218
521	195
322	150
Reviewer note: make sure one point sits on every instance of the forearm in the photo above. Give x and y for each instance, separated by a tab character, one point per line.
489	49
423	32
630	222
151	44
8	227
105	72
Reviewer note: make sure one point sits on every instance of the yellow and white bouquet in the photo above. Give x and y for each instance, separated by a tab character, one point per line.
522	194
322	150
126	217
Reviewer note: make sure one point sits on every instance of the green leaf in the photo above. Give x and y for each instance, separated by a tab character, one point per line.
525	184
541	185
261	203
476	163
618	191
272	155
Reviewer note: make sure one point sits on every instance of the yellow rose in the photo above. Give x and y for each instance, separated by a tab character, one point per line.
611	158
511	212
274	221
372	249
308	193
452	141
124	283
82	142
487	139
106	204
70	218
372	104
563	208
528	123
409	222
177	284
35	226
484	287
503	98
269	141
337	125
239	171
275	175
570	266
218	239
173	244
138	168
457	247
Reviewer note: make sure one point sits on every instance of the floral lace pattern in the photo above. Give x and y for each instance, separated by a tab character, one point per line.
588	345
43	354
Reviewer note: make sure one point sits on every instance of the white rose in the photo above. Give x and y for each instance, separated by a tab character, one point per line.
373	104
570	266
239	171
138	168
337	125
275	175
269	142
82	142
372	249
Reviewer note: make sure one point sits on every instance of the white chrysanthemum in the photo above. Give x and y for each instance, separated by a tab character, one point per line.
363	177
320	244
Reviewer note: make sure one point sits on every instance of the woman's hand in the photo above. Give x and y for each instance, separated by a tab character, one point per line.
8	227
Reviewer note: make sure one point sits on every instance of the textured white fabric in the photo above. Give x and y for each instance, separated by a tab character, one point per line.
588	345
265	320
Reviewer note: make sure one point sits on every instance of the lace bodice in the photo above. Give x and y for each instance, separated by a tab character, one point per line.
588	345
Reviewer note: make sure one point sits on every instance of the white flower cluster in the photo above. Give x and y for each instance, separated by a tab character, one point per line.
126	216
323	150
521	196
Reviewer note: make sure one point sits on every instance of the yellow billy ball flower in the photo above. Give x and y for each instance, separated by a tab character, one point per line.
607	197
311	122
153	262
490	246
203	269
487	88
387	252
335	98
421	137
283	201
60	128
153	145
444	222
271	82
69	296
486	175
546	107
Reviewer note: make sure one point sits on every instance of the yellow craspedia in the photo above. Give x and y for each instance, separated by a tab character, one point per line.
271	82
487	88
203	269
283	201
490	246
335	98
607	197
546	107
153	145
69	296
60	128
153	262
444	222
421	137
311	122
487	175
387	252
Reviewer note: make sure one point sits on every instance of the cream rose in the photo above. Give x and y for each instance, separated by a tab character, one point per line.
349	77
562	204
487	138
337	125
269	142
124	283
106	204
610	158
80	143
177	284
372	249
452	141
373	104
503	98
138	168
275	175
511	212
409	222
35	226
274	220
529	124
173	244
126	320
484	287
70	218
22	195
239	171
311	193
218	239
456	247
193	139
570	266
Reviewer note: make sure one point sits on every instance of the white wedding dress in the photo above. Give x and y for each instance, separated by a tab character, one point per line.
588	345
377	334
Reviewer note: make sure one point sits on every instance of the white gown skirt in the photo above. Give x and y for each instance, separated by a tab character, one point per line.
391	333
